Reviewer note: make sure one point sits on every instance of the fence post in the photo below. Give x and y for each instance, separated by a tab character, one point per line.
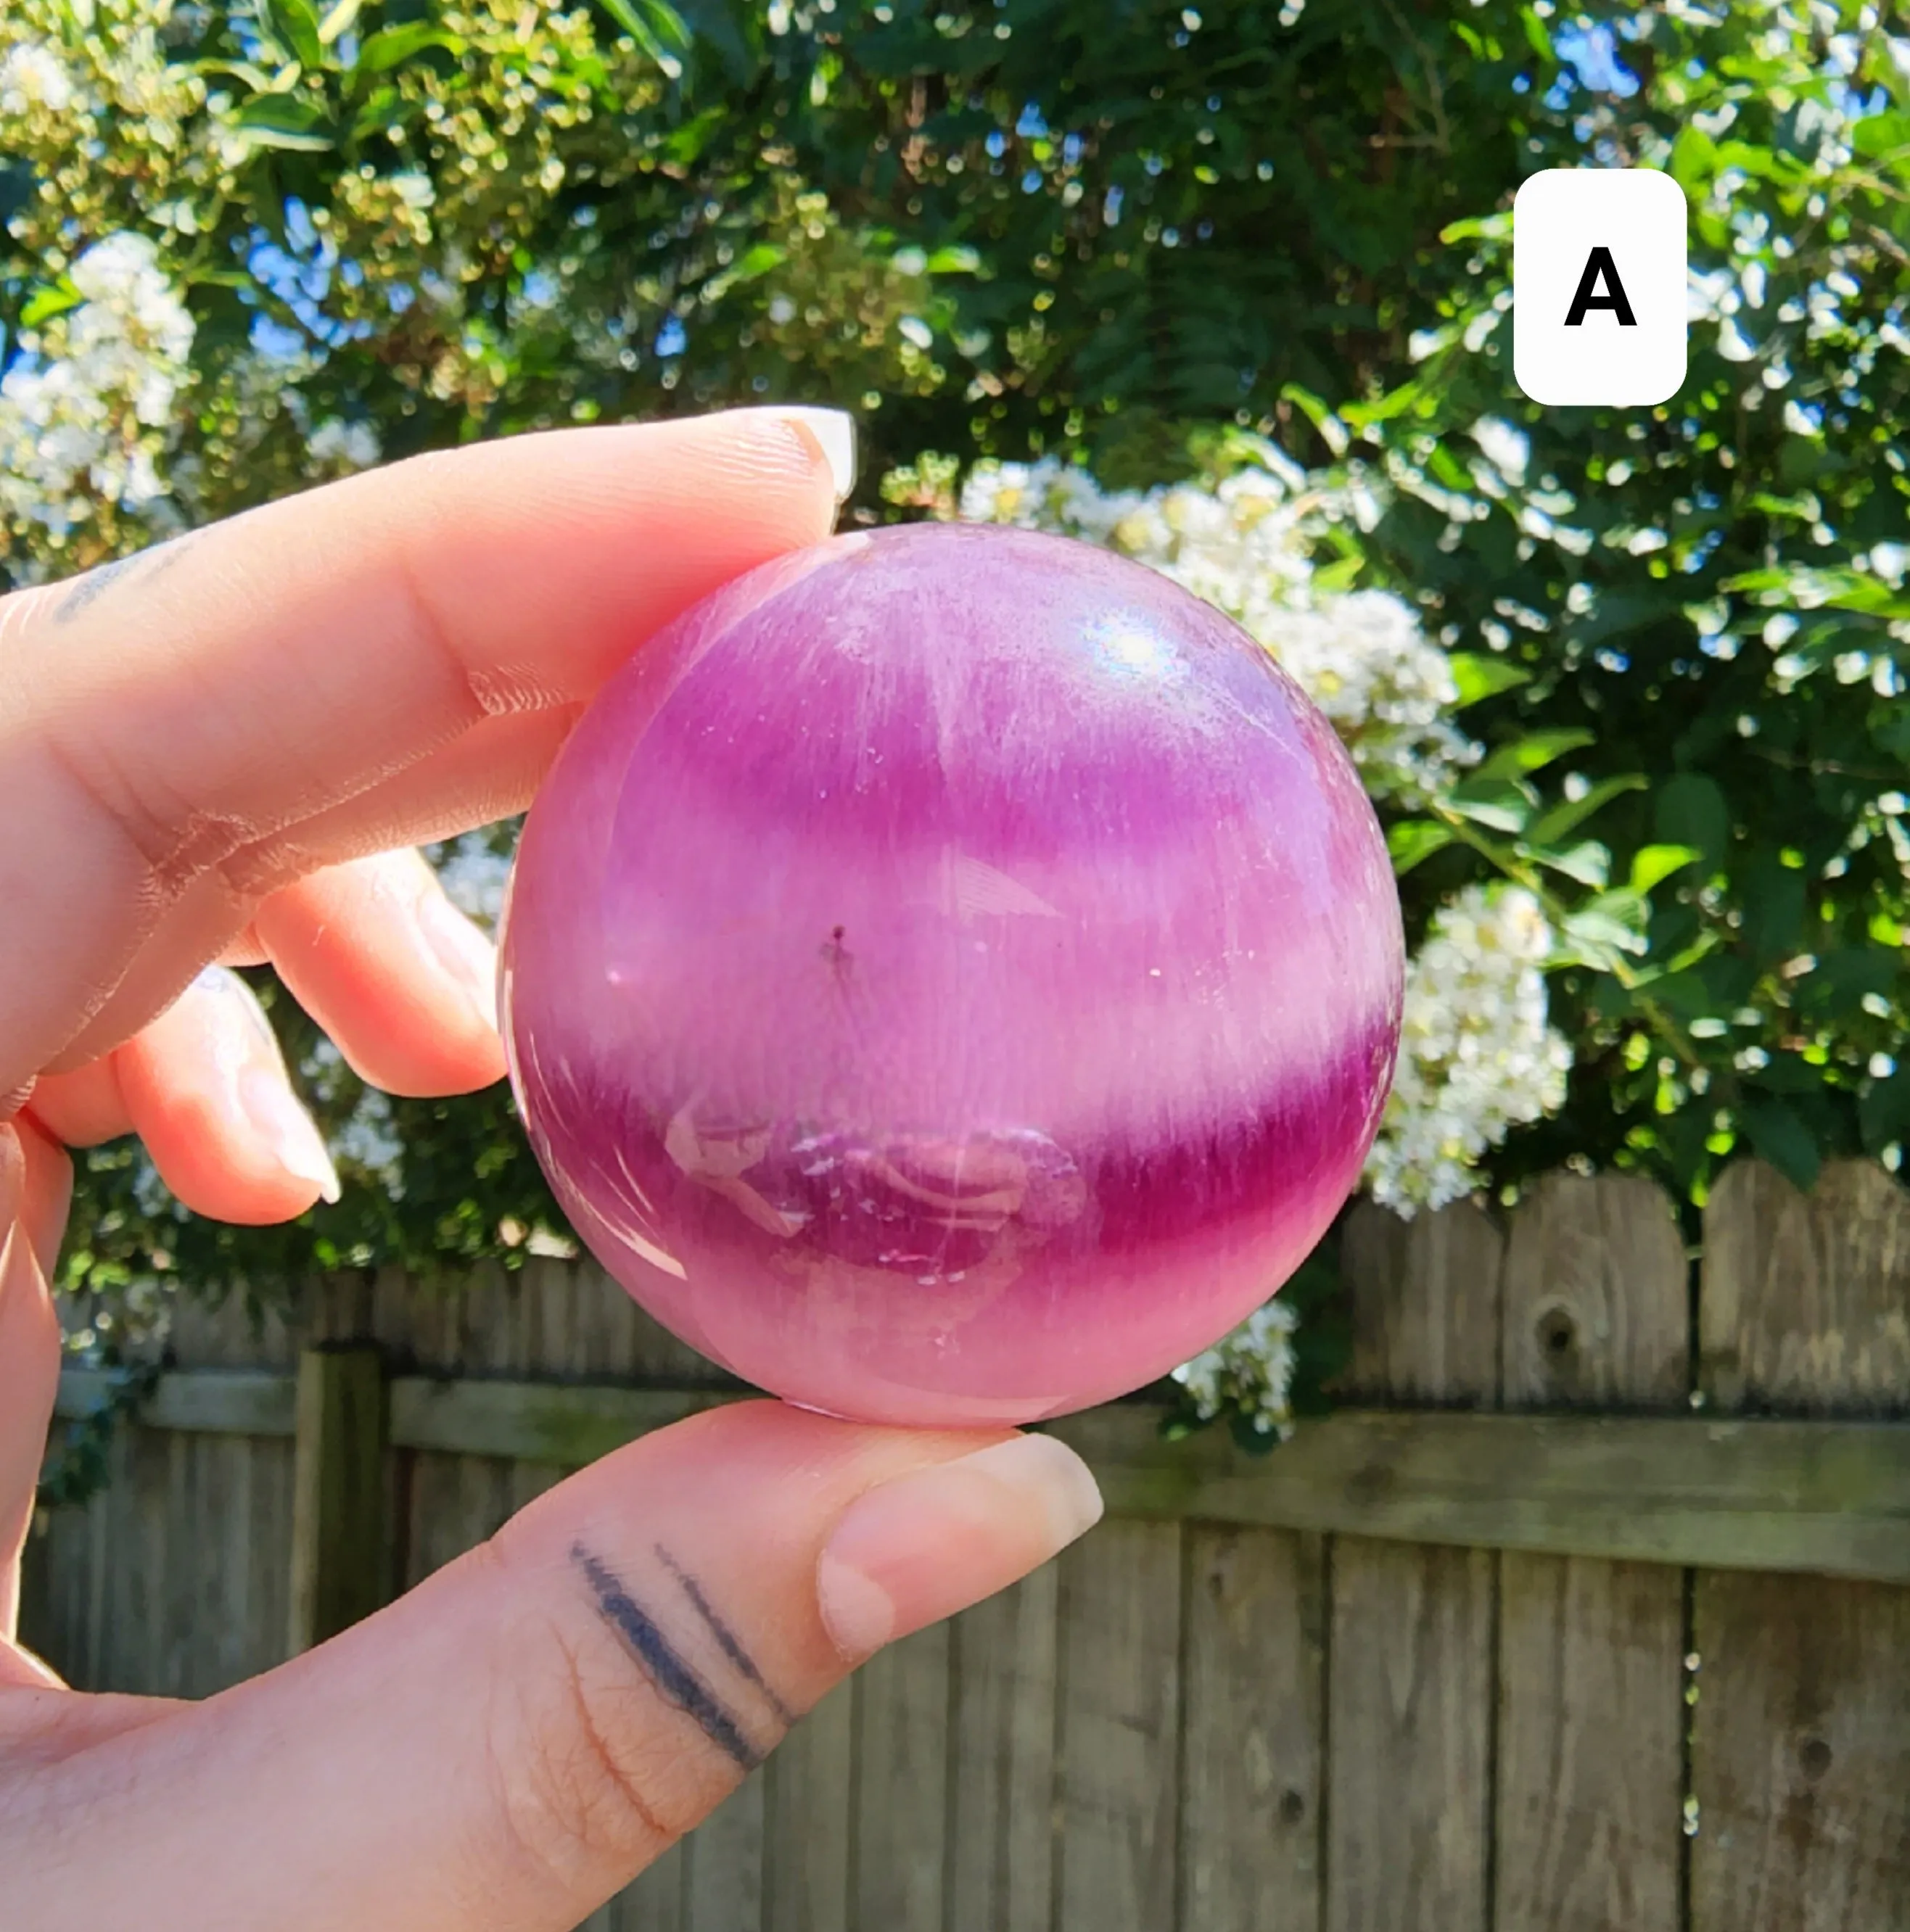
338	1545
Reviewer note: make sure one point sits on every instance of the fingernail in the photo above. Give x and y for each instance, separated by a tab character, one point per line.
834	432
13	1182
223	982
926	1545
469	959
287	1129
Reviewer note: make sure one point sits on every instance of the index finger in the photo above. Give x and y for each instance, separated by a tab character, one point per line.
336	660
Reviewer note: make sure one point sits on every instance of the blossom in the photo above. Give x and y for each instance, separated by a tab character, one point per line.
1250	1371
474	875
1477	1057
1364	661
86	411
33	75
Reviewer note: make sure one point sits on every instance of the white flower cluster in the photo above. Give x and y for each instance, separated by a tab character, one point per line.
1244	544
85	409
33	76
1364	661
473	874
1250	1371
1476	1056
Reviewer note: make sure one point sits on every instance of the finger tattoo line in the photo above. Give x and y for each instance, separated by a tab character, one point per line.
98	581
673	1678
732	1646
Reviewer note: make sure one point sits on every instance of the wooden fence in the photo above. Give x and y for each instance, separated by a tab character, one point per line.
1590	1612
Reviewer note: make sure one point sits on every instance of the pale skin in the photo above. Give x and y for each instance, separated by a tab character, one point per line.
226	752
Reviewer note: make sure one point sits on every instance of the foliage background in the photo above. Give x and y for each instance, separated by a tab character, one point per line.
1119	232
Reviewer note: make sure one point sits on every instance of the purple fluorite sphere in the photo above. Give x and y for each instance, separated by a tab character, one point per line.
951	976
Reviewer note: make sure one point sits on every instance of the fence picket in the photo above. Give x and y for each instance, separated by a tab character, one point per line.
1409	1675
1588	1830
1119	1713
1801	1744
1001	1798
808	1797
1255	1701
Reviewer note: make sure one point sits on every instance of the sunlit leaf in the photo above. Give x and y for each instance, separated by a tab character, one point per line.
1651	864
1413	840
283	120
1550	826
1533	752
1479	676
391	46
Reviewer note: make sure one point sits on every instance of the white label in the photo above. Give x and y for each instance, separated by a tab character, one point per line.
1599	287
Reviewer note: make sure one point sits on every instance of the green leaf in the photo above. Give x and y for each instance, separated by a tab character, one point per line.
1533	753
656	28
1332	431
298	25
1498	804
379	108
1605	931
1843	978
339	22
1479	676
283	120
53	299
1652	865
1780	1136
1590	863
1414	839
954	260
255	80
758	261
1549	827
391	46
1883	1114
1690	810
1484	227
1773	898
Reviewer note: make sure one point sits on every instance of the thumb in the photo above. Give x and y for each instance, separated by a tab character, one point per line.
511	1743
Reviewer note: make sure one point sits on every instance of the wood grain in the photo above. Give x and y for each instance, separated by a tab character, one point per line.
1251	1812
1590	1767
1826	1496
725	1856
339	1558
1117	1870
901	1786
808	1797
1801	1743
1409	1675
1002	1801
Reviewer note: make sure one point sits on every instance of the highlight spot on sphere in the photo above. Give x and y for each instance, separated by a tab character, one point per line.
951	976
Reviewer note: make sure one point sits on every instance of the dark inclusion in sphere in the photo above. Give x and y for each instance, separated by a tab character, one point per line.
952	976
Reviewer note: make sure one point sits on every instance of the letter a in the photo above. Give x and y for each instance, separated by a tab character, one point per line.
1599	267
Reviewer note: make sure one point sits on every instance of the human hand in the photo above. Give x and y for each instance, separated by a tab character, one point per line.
219	752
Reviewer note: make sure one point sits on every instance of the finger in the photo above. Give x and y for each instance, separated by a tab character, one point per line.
511	1743
490	774
204	1086
402	982
35	1182
291	663
206	1089
84	1108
